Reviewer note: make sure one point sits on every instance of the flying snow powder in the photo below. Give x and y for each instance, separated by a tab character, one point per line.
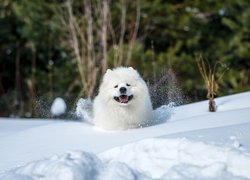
58	107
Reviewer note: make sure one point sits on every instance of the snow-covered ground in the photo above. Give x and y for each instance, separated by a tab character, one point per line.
189	143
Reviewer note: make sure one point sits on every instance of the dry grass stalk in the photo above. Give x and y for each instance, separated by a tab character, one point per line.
208	74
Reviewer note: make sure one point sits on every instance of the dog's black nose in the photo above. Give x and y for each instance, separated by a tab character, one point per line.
123	90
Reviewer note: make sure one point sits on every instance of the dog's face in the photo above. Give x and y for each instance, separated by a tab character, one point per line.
123	93
122	86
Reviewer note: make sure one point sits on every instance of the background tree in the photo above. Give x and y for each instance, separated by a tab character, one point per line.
38	63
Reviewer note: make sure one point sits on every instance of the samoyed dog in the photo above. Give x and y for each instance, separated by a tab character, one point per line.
123	101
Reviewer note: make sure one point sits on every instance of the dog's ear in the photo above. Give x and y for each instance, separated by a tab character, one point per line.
108	71
134	71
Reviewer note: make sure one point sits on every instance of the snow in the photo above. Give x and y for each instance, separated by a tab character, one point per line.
11	126
58	107
84	110
187	142
181	157
71	166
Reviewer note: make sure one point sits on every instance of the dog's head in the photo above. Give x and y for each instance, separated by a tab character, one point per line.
123	86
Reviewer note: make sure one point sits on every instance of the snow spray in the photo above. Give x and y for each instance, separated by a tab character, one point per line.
164	90
42	109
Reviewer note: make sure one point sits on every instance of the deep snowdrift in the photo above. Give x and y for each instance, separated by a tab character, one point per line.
193	143
151	158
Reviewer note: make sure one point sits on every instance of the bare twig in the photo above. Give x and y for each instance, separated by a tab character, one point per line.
132	41
119	54
92	36
104	35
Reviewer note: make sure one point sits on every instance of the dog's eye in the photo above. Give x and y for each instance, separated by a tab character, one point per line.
116	86
128	84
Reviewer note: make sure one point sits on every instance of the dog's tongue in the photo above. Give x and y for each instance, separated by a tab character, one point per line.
123	99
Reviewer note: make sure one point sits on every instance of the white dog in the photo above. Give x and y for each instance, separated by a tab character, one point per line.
123	101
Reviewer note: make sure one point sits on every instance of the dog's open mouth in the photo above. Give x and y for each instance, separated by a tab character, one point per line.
123	98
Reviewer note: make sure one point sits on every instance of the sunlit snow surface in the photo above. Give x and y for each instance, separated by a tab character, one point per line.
188	142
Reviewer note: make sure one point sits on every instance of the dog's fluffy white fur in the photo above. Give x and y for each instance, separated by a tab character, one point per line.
123	101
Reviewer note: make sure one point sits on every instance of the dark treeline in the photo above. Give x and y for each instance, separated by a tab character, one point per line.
62	48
